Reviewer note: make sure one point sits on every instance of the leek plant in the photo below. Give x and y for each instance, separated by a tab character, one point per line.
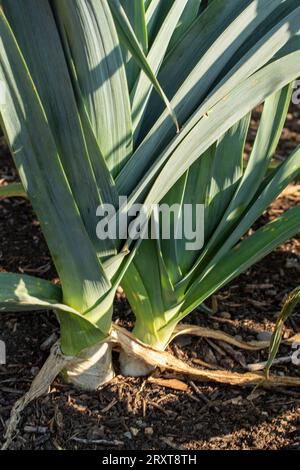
148	100
67	116
166	281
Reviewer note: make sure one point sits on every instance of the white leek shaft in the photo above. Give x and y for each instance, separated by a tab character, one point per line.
133	367
92	368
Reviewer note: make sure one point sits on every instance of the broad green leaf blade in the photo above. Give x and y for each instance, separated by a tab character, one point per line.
269	132
113	265
105	181
257	56
196	43
151	252
12	190
270	128
128	37
135	11
212	181
222	116
244	255
245	97
156	14
175	199
25	293
142	90
188	16
20	293
146	286
147	3
227	172
182	59
88	28
286	173
77	333
37	160
147	297
106	185
33	23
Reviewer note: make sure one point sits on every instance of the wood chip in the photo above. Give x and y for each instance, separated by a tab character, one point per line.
258	303
174	384
36	429
149	431
162	409
261	365
236	355
103	442
48	343
198	392
109	406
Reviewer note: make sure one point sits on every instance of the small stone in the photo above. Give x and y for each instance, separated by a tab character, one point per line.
238	337
34	371
140	423
199	427
148	431
183	341
286	335
264	336
134	431
237	400
84	397
36	429
225	315
292	263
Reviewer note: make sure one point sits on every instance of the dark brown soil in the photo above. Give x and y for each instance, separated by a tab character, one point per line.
134	413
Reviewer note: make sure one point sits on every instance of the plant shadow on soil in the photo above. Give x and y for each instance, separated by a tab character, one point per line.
136	413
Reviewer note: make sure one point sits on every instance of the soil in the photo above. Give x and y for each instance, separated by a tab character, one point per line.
136	413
